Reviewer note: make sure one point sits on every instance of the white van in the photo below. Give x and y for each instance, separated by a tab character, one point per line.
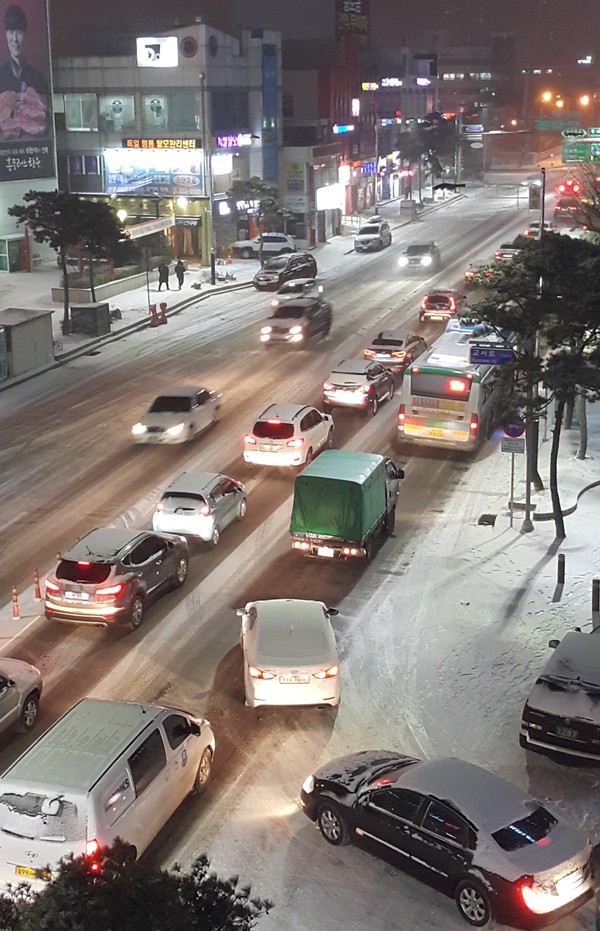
106	769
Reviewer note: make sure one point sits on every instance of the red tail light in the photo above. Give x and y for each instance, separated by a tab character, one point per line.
327	673
424	304
456	384
52	586
250	440
274	421
368	352
111	591
399	354
452	303
92	848
260	673
402	415
474	427
296	442
80	562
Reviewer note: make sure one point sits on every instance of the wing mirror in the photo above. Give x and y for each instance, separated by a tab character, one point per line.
332	612
399	473
553	643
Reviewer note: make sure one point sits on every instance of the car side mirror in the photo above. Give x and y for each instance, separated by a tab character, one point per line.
240	612
332	612
194	729
400	473
553	643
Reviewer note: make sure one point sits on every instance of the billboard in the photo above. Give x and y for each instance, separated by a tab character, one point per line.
169	172
26	124
351	18
161	52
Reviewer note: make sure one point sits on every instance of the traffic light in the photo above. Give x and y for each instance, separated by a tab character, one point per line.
569	186
534	197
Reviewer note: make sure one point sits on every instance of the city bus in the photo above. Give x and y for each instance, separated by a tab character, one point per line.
446	400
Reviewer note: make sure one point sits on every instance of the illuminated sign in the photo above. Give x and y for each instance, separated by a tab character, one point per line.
369	86
423	82
391	121
234	141
355	106
162	144
391	82
367	168
162	52
343	129
330	197
173	172
351	18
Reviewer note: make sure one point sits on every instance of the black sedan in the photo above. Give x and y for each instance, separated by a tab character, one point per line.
499	852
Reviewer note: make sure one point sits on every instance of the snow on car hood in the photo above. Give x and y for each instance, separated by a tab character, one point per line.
570	702
352	770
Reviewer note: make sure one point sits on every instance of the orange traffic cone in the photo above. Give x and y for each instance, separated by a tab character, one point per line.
15	604
36	585
162	313
154	321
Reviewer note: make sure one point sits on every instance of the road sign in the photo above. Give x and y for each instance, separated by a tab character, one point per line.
586	151
512	444
514	429
549	124
475	128
476	145
594	131
573	132
490	355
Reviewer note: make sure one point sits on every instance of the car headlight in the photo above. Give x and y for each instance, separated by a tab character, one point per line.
176	430
402	261
308	785
426	260
266	329
138	428
295	329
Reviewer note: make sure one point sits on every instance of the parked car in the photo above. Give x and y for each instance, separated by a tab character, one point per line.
282	268
358	384
290	656
272	244
200	504
440	305
373	235
20	693
178	415
421	257
477	273
288	435
497	850
297	321
561	717
394	352
506	252
297	287
533	230
111	574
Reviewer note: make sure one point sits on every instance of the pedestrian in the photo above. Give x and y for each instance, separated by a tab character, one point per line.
180	272
163	276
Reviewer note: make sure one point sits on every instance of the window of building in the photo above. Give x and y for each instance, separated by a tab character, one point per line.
184	111
287	106
229	110
155	113
81	112
117	112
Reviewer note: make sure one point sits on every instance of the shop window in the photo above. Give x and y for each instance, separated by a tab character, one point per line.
75	164
117	112
81	112
184	111
91	164
155	114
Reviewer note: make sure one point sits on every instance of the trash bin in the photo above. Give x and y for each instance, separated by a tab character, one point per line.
90	319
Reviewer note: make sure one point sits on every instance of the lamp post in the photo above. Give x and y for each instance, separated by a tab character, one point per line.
208	177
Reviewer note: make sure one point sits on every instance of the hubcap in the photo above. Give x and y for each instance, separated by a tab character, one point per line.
216	536
182	569
472	904
330	824
30	713
243	507
204	768
136	612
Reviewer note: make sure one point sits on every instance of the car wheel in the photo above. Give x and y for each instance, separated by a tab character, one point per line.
242	510
392	389
473	903
216	536
374	406
332	825
204	772
368	547
29	713
329	443
136	612
247	253
181	572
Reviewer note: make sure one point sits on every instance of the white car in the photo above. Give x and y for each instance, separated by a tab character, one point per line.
533	230
297	287
290	655
272	244
288	435
200	504
20	691
177	415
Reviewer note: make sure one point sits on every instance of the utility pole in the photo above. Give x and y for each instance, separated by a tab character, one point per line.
208	178
376	175
458	149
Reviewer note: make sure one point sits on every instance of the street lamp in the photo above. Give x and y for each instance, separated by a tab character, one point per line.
208	177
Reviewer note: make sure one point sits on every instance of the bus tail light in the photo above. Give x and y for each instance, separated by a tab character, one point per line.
474	427
401	415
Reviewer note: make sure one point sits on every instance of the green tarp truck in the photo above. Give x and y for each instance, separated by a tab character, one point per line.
342	501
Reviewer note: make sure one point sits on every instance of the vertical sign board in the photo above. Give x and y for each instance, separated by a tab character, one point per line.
26	123
351	18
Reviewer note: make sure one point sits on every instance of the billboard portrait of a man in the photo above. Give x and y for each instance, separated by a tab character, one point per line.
25	115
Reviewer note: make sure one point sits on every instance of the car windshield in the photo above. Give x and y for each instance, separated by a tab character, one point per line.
84	572
182	499
278	261
437	300
417	250
386	341
526	831
288	313
165	404
273	430
370	230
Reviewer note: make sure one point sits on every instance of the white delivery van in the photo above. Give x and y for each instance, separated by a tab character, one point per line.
106	769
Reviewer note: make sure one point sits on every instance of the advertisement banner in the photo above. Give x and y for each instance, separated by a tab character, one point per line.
154	171
26	124
351	18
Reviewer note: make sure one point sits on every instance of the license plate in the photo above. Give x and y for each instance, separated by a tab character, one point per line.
436	433
566	732
293	680
77	596
325	551
31	873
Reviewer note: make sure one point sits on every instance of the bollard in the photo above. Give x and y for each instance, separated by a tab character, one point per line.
596	595
36	585
162	314
153	315
560	573
15	604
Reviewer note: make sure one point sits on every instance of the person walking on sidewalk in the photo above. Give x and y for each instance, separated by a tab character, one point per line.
163	276
180	272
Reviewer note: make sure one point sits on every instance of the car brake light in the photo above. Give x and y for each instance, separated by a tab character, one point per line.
327	673
250	439
91	848
402	414
368	352
452	303
399	354
537	899
260	673
273	421
82	563
296	442
424	304
474	427
111	590
52	586
366	389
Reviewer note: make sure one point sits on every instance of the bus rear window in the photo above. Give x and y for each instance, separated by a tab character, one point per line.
430	385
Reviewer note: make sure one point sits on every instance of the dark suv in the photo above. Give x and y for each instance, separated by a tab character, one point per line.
109	575
284	267
421	257
297	321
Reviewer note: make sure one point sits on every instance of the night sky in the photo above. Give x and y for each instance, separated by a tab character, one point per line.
550	27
